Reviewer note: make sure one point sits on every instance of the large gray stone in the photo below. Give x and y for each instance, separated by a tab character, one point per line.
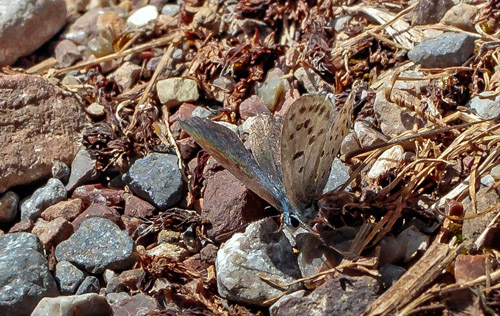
263	250
53	192
97	245
24	274
25	25
157	179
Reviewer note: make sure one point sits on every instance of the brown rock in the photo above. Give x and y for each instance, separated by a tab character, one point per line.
187	147
209	253
252	106
171	250
53	232
127	75
228	204
135	305
430	11
468	268
28	102
68	210
132	278
137	207
98	210
461	16
23	226
185	110
97	194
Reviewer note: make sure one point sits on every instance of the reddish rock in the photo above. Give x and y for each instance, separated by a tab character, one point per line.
194	263
97	194
53	232
468	268
253	106
184	111
228	204
30	144
68	210
187	147
136	207
23	226
98	210
139	304
132	278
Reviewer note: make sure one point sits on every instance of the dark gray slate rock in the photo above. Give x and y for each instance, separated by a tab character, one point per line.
485	107
445	50
82	170
97	245
53	192
68	277
24	274
263	250
89	285
9	202
156	178
390	273
343	295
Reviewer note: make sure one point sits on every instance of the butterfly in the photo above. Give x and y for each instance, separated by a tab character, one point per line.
311	135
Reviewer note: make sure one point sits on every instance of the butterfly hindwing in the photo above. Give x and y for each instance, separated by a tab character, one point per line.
307	126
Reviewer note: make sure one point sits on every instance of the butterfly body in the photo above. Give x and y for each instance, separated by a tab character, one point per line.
310	138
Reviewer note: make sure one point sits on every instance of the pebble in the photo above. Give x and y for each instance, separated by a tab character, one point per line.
367	135
139	304
461	16
53	232
90	284
473	228
311	81
339	23
339	174
484	106
228	203
95	110
30	149
446	50
232	127
390	273
132	279
414	240
33	21
68	277
97	194
61	171
24	274
170	9
171	250
174	91
68	210
67	53
469	267
9	202
262	251
90	247
200	111
142	17
272	88
98	210
430	11
126	75
387	162
495	173
82	305
53	192
117	297
83	170
252	106
136	207
156	178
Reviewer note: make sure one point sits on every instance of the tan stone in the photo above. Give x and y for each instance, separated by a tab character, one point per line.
39	124
68	210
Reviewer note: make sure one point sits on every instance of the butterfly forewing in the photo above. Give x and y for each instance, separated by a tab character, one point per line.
306	129
222	144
